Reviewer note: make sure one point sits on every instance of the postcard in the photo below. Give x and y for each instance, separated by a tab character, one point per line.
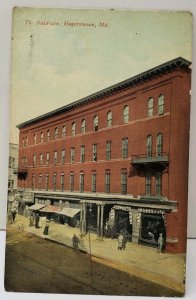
99	149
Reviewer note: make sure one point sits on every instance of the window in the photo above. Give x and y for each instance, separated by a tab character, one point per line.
55	157
40	182
124	182
150	106
34	160
33	182
10	161
73	129
72	155
81	182
35	139
148	183
125	148
149	146
126	114
47	182
108	150
64	131
23	142
54	181
83	126
27	141
25	161
107	182
94	179
94	152
95	123
48	135
82	153
161	105
62	181
41	159
47	158
42	137
158	183
71	182
159	144
109	118
56	133
63	156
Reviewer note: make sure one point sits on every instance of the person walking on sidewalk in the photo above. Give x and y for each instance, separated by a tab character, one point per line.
160	243
120	241
75	242
46	228
37	220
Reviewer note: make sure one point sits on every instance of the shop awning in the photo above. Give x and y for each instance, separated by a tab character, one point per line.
50	209
69	212
36	206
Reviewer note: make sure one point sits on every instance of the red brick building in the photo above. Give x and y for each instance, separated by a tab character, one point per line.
117	160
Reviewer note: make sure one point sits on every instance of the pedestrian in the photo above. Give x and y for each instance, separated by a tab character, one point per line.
46	228
160	243
10	219
124	240
31	220
75	241
120	241
37	220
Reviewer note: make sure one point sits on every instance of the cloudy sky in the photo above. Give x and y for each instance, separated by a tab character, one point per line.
53	65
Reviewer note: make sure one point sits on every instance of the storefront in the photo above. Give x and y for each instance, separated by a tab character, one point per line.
70	216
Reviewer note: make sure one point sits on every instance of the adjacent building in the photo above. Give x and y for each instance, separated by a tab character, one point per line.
117	160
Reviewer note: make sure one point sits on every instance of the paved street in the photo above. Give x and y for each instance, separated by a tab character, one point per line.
37	265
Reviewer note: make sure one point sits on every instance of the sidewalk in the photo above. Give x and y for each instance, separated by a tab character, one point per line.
162	268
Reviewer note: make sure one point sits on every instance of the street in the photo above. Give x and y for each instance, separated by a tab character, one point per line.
34	264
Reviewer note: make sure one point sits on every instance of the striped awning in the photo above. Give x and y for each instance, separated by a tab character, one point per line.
50	209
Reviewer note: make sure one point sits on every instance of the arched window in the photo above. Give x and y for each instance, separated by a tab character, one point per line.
159	144
149	145
95	123
35	139
83	126
27	141
150	106
23	142
161	104
64	131
48	135
109	118
73	129
126	114
42	137
56	133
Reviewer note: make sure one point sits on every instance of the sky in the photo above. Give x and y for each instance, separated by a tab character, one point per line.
54	63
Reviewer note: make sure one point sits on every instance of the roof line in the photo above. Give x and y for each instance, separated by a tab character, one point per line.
146	75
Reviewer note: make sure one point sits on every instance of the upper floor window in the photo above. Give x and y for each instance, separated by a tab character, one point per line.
47	181
62	181
109	118
34	160
72	155
94	152
126	114
47	158
93	185
158	183
27	141
42	137
108	150
107	181
72	182
149	145
161	104
40	182
81	182
35	138
64	131
148	183
48	135
125	148
82	153
73	129
56	133
55	157
95	123
83	126
124	182
41	159
150	106
54	181
33	182
159	144
63	156
23	142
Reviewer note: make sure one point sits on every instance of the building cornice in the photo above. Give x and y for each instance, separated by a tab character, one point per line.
177	63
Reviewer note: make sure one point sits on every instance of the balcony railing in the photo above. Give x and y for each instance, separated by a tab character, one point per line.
148	159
